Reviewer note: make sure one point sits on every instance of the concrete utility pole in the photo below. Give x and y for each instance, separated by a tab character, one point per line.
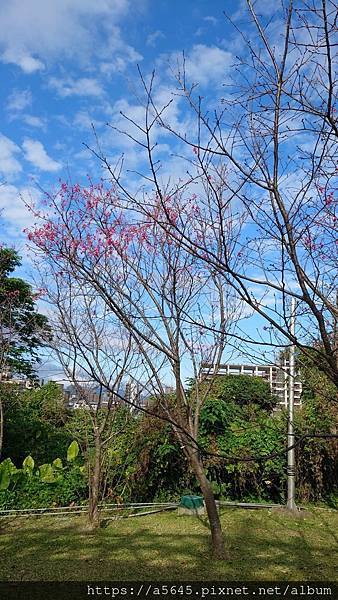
291	467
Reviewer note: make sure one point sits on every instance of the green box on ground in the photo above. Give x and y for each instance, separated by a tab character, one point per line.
191	502
191	505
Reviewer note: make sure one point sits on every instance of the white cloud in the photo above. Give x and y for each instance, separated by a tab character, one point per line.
210	19
264	8
133	112
36	32
85	121
203	30
18	100
13	206
154	37
85	86
9	165
25	61
37	155
204	65
29	64
207	64
34	121
116	55
200	31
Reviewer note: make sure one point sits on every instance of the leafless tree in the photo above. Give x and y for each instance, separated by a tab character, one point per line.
95	355
263	161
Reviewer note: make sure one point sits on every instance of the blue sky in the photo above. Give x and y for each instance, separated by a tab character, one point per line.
68	63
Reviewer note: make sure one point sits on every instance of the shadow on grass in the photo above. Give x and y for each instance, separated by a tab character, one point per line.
169	549
289	548
331	533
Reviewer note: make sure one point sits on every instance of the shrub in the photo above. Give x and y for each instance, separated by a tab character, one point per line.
51	484
34	423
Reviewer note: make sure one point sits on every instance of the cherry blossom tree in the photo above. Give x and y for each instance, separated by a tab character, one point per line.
174	312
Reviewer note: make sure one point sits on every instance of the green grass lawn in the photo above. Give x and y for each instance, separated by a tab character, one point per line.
262	544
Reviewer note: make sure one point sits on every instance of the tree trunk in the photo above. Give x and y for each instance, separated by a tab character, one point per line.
217	541
94	486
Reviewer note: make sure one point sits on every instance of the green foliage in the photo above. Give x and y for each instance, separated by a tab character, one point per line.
253	433
231	426
316	385
28	465
73	451
36	493
154	466
48	485
47	473
24	325
118	459
57	463
243	390
79	427
217	414
143	460
317	460
245	431
34	423
6	470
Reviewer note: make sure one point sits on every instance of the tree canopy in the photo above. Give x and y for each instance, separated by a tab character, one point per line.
22	328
